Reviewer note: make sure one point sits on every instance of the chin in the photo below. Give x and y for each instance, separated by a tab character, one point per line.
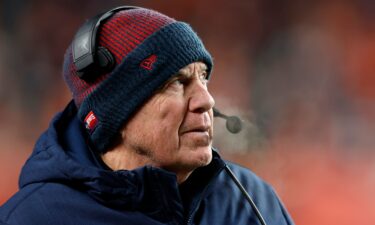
189	162
191	159
201	157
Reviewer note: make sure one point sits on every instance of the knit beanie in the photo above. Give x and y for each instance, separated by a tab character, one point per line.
149	48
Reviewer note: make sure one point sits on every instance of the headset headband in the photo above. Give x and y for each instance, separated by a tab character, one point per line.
85	46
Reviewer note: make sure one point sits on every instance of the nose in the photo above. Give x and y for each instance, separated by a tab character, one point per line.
201	100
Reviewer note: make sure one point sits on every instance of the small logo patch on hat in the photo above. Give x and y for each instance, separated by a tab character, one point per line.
91	121
148	62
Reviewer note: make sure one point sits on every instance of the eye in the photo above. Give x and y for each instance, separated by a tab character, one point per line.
203	78
177	83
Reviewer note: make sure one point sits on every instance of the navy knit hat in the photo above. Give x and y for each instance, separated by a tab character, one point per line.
149	48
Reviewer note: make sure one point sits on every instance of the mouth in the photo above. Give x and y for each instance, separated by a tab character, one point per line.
198	129
197	136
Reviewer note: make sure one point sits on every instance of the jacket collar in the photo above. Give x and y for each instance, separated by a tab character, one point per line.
63	150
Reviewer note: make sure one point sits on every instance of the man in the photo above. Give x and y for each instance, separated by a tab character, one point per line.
135	144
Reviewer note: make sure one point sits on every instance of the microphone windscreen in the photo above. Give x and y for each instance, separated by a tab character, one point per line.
234	124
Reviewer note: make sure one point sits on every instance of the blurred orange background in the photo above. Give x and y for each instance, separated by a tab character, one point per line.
301	74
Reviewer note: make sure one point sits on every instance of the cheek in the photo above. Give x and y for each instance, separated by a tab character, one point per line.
156	126
168	126
163	125
170	113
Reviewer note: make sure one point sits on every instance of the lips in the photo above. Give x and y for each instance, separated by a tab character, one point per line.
201	128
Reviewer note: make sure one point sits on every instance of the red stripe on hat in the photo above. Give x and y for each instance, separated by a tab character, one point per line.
118	32
113	44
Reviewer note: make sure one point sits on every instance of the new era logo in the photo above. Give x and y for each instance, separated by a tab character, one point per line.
91	121
148	62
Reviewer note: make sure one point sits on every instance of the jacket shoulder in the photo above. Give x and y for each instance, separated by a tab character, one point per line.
42	203
261	192
20	204
246	175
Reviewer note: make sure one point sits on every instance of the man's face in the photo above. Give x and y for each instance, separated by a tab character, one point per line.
173	129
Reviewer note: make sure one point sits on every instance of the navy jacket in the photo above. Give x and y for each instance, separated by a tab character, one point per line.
63	182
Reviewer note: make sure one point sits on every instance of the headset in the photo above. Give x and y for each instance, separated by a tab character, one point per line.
92	60
233	124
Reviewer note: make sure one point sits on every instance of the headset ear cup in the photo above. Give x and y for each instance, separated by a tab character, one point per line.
105	59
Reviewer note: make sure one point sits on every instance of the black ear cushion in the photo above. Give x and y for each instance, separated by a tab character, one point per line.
105	60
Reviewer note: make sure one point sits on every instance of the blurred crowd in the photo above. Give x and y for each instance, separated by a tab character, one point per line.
301	74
